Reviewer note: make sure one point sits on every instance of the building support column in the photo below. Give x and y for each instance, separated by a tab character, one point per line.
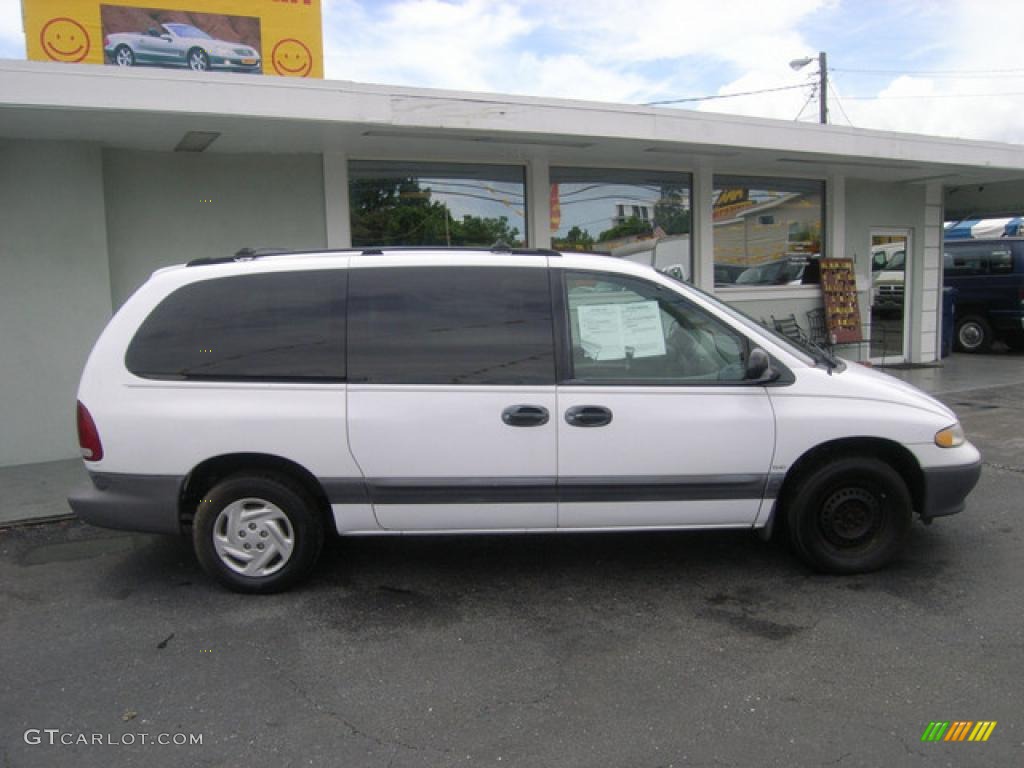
702	230
538	203
928	339
336	203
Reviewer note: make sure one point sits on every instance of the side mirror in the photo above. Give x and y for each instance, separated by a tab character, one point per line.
759	368
167	38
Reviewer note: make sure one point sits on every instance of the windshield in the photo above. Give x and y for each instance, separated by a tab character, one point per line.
187	30
809	355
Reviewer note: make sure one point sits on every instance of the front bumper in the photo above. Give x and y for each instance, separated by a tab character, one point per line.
146	503
946	488
235	64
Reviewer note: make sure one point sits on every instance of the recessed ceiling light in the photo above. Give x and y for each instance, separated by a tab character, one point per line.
196	141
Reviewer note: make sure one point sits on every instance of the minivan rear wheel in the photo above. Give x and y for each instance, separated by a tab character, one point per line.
850	515
973	334
257	533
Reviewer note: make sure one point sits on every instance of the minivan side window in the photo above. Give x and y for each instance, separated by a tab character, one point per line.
276	326
1001	260
624	330
971	259
451	325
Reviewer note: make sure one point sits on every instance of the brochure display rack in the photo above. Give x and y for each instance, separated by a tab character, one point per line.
842	313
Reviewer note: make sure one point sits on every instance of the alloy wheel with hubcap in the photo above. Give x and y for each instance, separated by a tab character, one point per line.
198	60
973	334
258	532
124	57
253	537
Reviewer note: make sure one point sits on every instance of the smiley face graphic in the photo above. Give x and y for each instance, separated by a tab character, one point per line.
291	58
64	39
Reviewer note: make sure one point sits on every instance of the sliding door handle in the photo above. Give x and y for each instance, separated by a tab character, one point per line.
589	416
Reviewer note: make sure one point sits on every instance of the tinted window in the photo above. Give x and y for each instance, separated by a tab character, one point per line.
450	325
278	326
1001	260
625	330
969	259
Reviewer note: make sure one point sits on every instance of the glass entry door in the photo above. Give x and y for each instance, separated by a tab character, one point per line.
890	259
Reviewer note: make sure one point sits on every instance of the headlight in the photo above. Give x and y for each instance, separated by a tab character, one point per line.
950	437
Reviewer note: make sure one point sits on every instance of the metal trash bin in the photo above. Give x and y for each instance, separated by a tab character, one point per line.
948	306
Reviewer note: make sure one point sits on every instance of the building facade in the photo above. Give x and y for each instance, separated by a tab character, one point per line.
107	175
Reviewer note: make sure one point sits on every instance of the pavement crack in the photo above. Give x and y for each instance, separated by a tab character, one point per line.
838	759
1004	467
354	729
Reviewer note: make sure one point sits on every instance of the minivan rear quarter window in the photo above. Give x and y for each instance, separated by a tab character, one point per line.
450	325
275	326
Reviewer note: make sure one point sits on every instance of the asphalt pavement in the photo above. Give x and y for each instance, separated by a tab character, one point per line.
632	650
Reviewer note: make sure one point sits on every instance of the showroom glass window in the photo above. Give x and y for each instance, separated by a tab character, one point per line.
451	325
767	232
446	204
273	326
642	216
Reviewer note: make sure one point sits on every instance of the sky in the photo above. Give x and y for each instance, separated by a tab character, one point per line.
941	67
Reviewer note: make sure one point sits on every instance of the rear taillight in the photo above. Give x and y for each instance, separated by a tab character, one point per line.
88	435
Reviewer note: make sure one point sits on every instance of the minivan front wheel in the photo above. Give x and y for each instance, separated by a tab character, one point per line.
973	334
849	516
257	533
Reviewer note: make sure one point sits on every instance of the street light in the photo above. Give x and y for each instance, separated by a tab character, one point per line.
798	64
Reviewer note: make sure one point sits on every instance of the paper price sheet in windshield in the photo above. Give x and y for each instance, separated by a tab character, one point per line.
618	331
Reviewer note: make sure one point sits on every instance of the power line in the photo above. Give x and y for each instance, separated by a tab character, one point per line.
937	96
840	103
724	95
956	72
814	90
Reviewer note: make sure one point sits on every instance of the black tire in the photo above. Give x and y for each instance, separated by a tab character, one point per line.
1015	341
973	334
198	60
850	515
124	56
267	511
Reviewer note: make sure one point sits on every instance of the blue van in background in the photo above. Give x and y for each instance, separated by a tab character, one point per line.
988	275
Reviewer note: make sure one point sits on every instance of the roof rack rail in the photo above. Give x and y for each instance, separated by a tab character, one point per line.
242	254
379	250
251	254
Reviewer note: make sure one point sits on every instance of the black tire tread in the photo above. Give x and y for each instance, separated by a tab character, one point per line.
808	486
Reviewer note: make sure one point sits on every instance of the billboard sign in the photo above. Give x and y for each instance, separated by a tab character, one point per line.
270	37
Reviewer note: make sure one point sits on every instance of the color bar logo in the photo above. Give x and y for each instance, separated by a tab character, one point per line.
958	730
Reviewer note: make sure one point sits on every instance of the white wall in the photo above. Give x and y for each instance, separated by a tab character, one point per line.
167	208
54	292
872	205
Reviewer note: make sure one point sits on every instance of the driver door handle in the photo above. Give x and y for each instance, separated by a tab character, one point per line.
588	416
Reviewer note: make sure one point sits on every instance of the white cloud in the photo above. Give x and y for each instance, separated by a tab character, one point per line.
975	35
12	36
420	42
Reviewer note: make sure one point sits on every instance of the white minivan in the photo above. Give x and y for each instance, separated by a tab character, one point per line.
258	403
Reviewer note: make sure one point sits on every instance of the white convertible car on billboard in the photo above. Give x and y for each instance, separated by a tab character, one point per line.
179	45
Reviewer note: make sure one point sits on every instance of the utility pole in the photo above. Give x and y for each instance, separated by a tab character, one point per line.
822	88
